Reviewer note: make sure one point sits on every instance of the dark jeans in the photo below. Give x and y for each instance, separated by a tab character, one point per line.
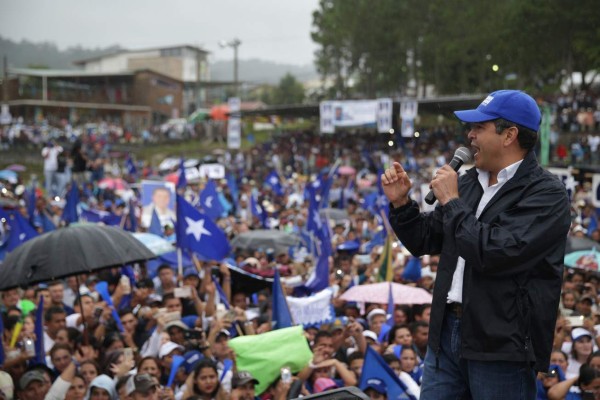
457	378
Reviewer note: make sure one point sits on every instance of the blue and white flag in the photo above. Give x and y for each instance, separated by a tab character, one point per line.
210	202
181	180
20	229
130	166
257	210
198	233
273	181
70	214
281	317
312	309
376	367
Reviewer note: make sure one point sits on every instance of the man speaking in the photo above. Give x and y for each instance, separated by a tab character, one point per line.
500	231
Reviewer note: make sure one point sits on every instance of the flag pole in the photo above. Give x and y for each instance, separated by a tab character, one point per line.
179	266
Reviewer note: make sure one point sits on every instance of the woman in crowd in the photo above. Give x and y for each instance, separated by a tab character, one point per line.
203	382
77	389
581	349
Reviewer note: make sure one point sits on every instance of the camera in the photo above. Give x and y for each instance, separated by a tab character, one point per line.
192	334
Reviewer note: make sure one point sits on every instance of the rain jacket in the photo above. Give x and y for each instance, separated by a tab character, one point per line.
513	262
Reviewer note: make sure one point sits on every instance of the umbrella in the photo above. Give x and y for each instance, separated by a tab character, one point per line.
335	214
199	115
113	184
346	170
575	243
70	251
265	238
379	293
583	259
154	243
9	176
16	167
219	112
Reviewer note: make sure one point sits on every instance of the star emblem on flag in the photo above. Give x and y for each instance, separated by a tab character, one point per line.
196	228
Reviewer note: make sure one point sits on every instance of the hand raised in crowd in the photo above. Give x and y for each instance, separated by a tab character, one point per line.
396	185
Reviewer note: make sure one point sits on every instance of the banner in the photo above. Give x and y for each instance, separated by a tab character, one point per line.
234	124
351	113
409	109
311	310
263	355
566	177
596	190
384	115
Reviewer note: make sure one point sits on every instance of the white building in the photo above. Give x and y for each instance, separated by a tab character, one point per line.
186	63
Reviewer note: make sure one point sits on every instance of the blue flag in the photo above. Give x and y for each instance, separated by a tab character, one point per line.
20	229
222	295
257	210
196	232
155	226
131	222
130	166
412	271
210	202
70	211
233	189
391	306
375	367
272	180
31	199
281	316
40	349
181	181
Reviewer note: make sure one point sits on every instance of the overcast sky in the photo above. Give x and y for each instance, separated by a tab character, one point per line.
274	30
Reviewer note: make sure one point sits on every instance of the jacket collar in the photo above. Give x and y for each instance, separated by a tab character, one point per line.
522	175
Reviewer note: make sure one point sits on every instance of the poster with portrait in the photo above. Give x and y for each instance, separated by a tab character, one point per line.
160	197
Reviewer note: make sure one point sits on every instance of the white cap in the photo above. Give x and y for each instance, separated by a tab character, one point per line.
370	335
374	312
578	333
168	348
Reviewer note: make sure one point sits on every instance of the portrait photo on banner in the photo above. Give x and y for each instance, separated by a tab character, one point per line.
159	197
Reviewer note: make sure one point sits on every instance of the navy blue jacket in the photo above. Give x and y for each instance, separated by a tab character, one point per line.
513	262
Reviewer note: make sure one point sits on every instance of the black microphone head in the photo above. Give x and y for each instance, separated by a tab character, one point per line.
464	155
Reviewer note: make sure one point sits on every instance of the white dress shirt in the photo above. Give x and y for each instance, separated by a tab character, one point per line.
455	293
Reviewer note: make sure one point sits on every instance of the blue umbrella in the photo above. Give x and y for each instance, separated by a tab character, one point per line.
8	175
154	243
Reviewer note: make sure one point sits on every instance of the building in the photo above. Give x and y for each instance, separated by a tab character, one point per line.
136	99
185	63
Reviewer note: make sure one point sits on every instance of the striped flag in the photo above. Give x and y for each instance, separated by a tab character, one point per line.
386	272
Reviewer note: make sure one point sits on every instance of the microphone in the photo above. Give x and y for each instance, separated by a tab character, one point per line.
461	155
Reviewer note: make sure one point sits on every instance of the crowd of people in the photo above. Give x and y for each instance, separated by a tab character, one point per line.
87	355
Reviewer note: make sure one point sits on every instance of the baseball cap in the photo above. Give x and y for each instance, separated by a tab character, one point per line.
29	377
511	105
168	348
176	323
374	312
143	383
191	358
376	384
370	335
578	333
323	384
240	378
338	323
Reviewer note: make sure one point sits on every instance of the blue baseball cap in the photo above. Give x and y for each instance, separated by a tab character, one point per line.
511	105
191	358
376	384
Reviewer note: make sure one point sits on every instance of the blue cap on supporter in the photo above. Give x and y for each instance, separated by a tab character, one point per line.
376	384
511	105
191	358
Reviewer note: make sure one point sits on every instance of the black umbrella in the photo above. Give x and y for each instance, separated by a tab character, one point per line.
70	251
575	243
243	281
265	238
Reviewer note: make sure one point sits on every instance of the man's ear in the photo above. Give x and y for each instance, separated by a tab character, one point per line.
512	133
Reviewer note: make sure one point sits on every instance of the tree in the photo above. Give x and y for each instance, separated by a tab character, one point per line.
289	91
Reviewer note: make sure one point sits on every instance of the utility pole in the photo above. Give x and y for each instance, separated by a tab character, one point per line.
235	43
